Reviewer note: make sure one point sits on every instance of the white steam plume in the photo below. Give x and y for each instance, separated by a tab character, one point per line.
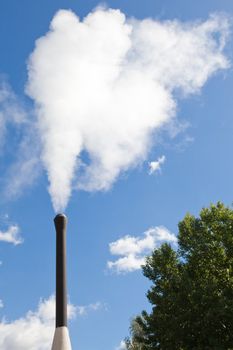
104	85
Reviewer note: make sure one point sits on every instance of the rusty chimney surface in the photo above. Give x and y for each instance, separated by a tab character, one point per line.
61	339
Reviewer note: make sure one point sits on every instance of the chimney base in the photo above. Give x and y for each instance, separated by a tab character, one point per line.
61	340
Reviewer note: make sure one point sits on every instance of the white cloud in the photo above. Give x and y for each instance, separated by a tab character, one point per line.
122	346
134	249
1	304
11	235
34	331
23	145
11	110
25	169
155	166
85	309
104	85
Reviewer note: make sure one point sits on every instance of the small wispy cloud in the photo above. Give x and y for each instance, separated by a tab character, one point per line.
11	110
134	249
11	235
22	149
155	165
22	174
122	346
83	310
1	304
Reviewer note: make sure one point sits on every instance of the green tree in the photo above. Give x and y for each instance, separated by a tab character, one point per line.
192	288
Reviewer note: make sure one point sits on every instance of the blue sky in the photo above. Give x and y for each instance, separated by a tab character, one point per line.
196	142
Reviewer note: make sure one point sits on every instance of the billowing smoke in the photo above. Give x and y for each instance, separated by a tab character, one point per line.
104	85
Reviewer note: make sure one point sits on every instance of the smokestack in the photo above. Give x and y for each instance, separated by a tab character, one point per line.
61	340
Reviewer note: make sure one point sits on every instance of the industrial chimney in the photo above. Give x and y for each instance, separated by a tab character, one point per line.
61	340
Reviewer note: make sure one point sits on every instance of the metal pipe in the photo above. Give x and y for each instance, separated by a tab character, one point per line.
61	289
61	340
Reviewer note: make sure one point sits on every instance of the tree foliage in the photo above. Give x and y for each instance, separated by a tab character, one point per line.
192	288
